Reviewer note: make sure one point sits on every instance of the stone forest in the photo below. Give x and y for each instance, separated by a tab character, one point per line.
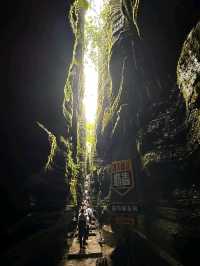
100	114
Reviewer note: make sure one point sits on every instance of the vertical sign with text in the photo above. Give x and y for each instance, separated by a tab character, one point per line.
122	176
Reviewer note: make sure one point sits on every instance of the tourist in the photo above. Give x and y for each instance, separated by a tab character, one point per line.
82	227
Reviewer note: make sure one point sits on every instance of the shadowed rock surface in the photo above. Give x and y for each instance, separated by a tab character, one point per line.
148	111
151	116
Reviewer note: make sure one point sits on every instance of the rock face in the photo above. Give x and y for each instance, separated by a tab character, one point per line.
40	149
152	115
188	80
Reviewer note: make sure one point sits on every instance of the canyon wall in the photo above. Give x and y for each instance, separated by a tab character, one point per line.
151	115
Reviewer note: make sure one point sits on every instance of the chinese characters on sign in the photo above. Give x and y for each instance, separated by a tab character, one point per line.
122	176
128	208
121	179
124	209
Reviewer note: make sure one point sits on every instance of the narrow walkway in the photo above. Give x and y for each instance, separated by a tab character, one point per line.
88	257
92	249
143	251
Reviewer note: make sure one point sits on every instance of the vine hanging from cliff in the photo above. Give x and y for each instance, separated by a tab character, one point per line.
53	149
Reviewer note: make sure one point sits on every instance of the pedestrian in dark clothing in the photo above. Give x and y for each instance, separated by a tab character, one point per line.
82	228
87	227
101	223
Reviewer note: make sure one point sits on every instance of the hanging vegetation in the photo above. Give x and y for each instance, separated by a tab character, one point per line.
53	149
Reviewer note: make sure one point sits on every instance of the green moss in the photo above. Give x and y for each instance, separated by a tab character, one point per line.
73	191
53	149
81	140
108	114
130	10
83	4
73	18
71	166
76	64
72	170
68	102
188	68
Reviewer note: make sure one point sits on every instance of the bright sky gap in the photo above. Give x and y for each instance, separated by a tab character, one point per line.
90	70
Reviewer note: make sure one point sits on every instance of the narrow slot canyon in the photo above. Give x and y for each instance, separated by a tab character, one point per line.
100	130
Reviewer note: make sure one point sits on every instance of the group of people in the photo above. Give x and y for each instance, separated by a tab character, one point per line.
85	218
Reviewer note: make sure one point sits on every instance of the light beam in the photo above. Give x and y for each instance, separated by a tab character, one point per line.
90	70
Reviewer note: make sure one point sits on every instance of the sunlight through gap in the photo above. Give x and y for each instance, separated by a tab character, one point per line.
90	70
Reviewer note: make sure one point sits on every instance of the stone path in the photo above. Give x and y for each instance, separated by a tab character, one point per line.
145	253
88	256
92	249
80	262
109	242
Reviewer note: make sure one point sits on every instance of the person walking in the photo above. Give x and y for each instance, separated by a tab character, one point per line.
82	227
87	227
101	223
